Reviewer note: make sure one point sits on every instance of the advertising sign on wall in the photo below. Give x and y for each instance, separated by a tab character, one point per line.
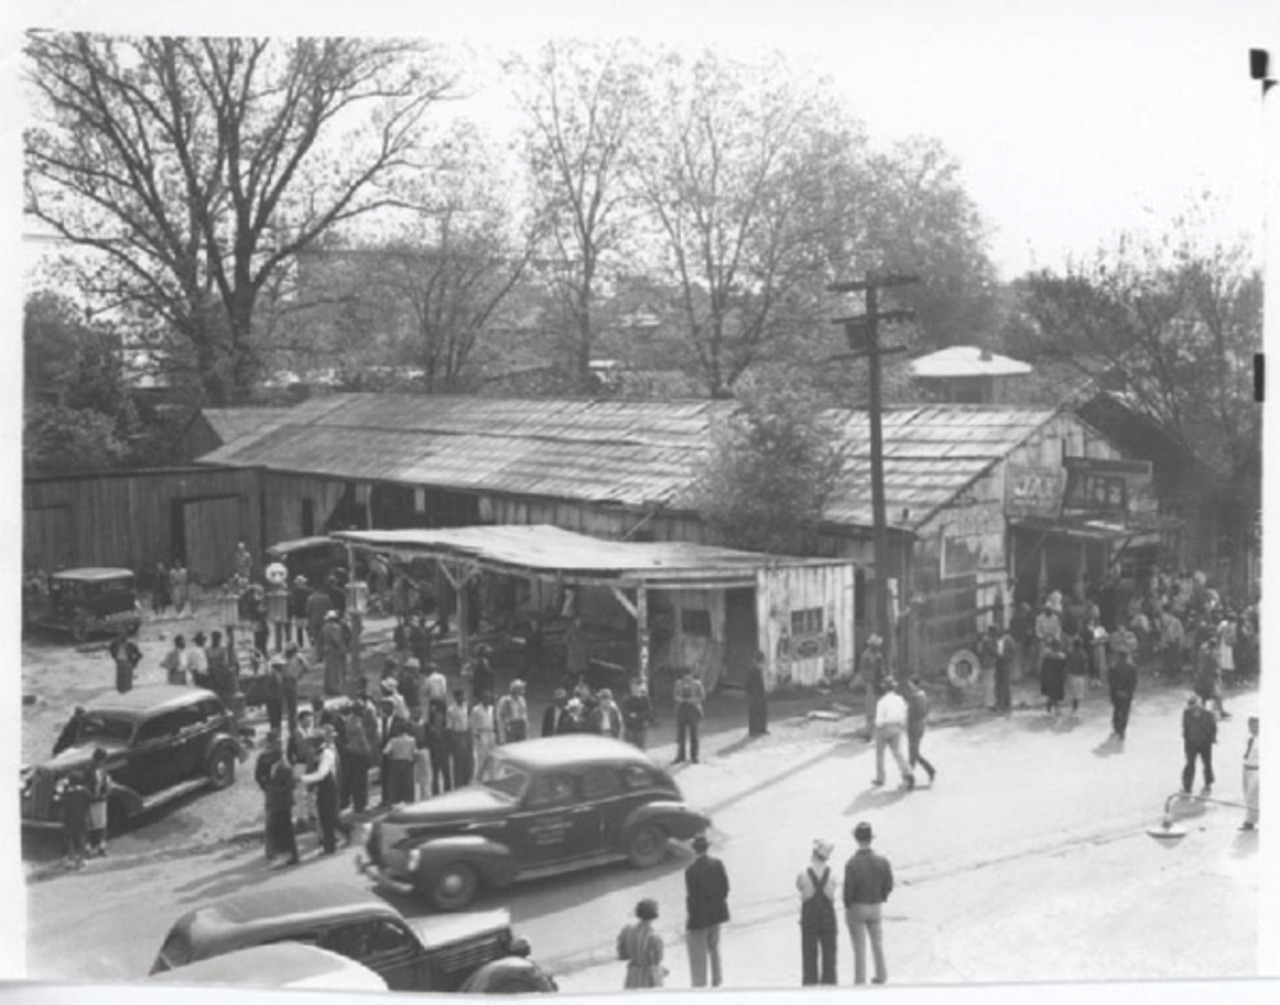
1033	491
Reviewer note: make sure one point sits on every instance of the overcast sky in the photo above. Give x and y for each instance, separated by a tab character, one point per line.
1071	120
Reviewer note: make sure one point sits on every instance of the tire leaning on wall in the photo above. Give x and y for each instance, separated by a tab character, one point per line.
963	670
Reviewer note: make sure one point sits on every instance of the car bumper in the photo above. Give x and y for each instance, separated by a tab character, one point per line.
381	877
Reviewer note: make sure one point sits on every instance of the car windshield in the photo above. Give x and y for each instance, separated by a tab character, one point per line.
500	775
104	727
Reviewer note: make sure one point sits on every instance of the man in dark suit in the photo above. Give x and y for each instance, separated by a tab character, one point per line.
555	712
706	887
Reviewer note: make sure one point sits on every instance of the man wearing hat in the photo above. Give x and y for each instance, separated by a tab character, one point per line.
513	715
435	689
706	887
325	779
817	886
637	713
868	881
690	694
333	644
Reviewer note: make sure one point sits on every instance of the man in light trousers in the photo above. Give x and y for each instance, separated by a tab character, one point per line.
868	881
706	898
890	728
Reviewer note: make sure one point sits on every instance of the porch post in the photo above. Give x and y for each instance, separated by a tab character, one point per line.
642	631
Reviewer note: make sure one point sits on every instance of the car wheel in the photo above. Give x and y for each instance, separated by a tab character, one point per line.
222	767
454	887
647	846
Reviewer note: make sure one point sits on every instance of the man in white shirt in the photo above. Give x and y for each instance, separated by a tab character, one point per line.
513	715
198	661
325	779
890	727
482	730
434	689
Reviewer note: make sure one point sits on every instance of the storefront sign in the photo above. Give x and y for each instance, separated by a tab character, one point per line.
1033	491
1100	486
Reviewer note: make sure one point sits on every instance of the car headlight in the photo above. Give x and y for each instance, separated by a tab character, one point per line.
415	857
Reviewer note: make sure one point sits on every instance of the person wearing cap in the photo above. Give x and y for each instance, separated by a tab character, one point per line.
689	696
554	712
1251	781
890	726
871	671
1199	734
390	688
513	715
868	881
642	948
818	930
606	718
574	719
706	886
325	779
637	714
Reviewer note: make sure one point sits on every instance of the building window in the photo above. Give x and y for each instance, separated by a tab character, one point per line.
806	622
696	622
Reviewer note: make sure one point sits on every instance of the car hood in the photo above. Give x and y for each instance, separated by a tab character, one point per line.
80	756
461	804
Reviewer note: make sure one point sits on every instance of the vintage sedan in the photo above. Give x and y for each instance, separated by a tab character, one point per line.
409	955
162	741
540	807
84	602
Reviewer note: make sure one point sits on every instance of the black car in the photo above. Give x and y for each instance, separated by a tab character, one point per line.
430	955
540	807
84	602
162	741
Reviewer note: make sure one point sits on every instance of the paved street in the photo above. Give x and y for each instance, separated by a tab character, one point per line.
1028	859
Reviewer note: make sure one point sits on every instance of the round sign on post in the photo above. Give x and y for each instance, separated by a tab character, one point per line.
963	669
277	574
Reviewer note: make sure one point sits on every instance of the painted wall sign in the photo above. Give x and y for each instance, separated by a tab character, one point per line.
1033	491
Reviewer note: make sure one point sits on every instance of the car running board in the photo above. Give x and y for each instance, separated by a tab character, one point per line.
173	792
573	866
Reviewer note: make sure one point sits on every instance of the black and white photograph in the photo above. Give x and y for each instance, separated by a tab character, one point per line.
580	498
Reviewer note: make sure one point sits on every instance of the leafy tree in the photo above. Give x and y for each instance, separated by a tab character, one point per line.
580	103
198	169
57	438
774	464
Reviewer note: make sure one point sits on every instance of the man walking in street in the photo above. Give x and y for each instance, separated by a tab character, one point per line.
1124	682
868	881
889	725
817	886
706	887
1199	734
690	695
1251	761
917	716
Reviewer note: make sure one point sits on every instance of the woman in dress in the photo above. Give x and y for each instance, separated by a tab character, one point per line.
99	790
641	947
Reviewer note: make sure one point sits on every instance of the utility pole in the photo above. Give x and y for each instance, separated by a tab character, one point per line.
863	337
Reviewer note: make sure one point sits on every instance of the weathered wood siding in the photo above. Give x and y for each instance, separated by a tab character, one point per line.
135	519
824	649
283	501
685	613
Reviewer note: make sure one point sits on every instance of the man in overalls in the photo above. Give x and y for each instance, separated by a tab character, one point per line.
690	695
817	886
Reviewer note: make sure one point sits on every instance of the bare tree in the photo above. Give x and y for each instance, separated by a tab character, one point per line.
728	170
200	168
580	104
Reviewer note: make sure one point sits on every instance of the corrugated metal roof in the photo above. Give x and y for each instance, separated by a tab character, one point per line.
547	549
231	423
623	452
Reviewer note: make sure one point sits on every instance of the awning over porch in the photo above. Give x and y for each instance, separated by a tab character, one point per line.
546	551
1134	526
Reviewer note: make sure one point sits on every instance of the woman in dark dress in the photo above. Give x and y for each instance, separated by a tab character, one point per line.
1053	675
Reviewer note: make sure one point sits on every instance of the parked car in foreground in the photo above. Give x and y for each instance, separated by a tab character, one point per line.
540	807
85	602
280	966
162	742
433	954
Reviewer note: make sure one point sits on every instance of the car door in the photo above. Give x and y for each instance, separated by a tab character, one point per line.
152	764
387	947
606	788
556	824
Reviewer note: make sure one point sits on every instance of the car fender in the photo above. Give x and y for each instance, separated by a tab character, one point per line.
128	798
675	818
225	742
494	861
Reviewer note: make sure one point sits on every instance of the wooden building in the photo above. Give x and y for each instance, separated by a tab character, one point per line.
983	501
134	519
